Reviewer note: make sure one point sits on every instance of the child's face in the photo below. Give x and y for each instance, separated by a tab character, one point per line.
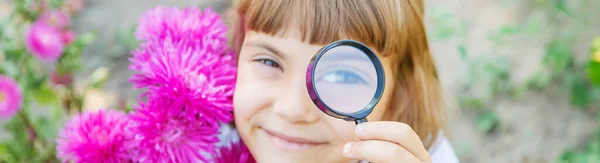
273	112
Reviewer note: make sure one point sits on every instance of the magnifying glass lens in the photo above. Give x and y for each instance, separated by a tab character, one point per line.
345	79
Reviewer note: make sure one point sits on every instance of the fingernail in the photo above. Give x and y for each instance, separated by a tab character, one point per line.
360	129
347	148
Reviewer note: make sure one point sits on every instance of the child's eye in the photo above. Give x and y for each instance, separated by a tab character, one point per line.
269	63
343	77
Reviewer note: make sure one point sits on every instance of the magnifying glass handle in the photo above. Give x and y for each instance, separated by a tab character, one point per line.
359	121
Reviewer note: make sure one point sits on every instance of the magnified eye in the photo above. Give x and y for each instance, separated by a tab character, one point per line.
343	77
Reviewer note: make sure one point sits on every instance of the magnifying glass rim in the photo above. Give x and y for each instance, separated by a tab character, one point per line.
366	110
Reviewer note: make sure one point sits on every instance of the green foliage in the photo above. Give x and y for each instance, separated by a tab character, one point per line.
446	25
71	61
558	57
44	94
487	121
591	153
586	93
594	72
33	134
488	75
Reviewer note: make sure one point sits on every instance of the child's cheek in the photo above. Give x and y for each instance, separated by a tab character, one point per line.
242	102
250	97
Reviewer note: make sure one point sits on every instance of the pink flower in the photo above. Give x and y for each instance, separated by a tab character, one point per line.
184	70
68	37
44	41
185	64
11	97
184	56
163	133
94	137
162	22
57	18
60	79
236	152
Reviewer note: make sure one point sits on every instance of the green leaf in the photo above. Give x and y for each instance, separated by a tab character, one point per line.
540	80
19	146
487	121
85	39
573	157
580	95
6	154
33	81
474	103
558	56
46	129
71	61
561	6
594	73
9	68
45	95
13	51
510	29
505	32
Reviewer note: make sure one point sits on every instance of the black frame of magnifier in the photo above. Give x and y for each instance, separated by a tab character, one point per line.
357	117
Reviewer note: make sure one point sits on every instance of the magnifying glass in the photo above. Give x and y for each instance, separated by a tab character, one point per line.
345	80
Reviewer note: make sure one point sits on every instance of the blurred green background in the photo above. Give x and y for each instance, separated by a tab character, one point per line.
521	76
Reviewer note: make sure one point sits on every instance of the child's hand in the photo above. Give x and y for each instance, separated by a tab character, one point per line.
387	142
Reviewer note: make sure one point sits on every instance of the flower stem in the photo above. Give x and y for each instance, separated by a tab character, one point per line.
29	126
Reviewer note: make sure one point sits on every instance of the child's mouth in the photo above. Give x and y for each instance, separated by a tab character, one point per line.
290	142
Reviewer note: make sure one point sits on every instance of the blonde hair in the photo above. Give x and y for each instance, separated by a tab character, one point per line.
394	28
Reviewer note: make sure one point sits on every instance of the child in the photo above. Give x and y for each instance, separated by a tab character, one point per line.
274	116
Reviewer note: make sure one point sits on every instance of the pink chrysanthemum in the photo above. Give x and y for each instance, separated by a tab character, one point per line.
162	133
68	37
95	137
44	41
11	97
188	70
171	22
184	55
236	152
56	78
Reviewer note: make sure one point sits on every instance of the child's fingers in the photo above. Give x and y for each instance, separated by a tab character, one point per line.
395	132
379	151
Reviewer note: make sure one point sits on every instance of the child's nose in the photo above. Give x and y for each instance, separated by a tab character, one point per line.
294	104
